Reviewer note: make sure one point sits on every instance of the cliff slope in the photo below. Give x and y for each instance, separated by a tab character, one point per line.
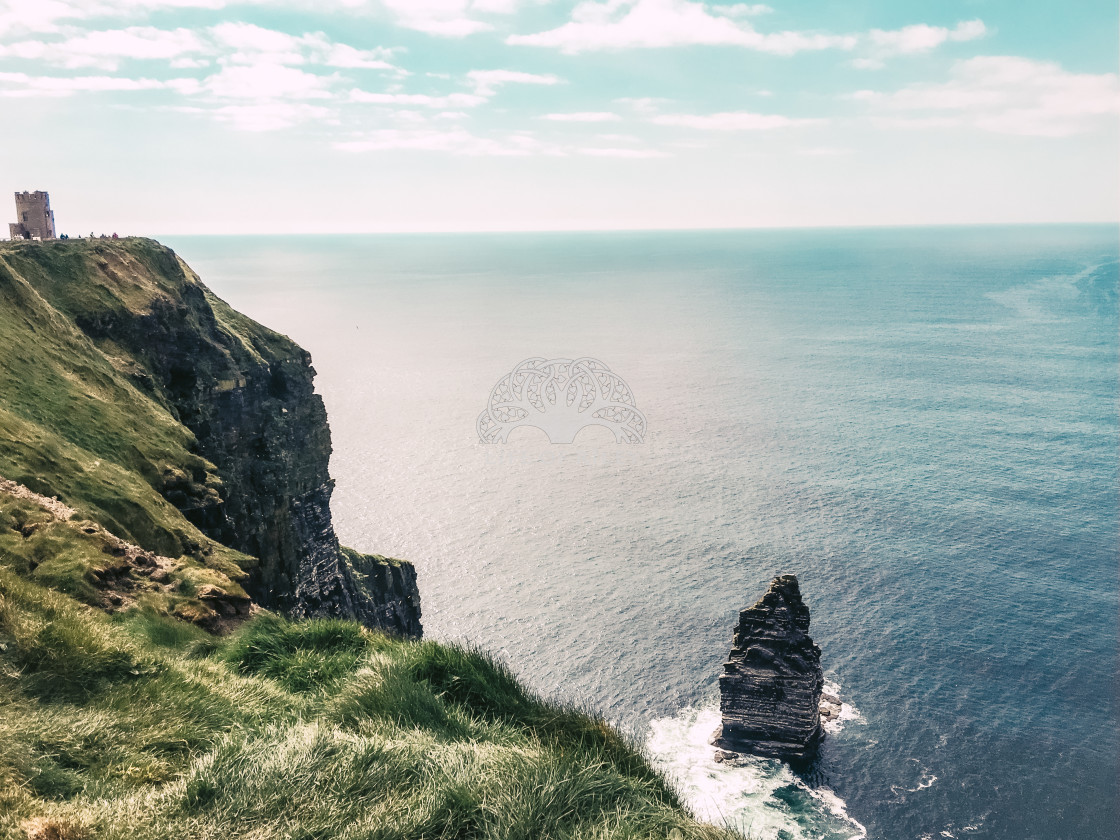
137	397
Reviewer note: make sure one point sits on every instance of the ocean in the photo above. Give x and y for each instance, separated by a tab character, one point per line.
920	423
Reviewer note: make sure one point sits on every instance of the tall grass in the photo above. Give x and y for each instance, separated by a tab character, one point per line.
140	726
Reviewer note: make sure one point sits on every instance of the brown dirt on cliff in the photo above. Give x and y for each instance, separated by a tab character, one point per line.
114	575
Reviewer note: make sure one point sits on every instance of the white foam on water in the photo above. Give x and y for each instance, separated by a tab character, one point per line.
758	796
848	712
839	809
927	781
1037	299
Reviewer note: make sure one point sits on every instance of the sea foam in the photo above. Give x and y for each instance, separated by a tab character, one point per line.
759	797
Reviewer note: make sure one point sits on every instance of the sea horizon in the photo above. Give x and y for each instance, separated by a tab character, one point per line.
590	231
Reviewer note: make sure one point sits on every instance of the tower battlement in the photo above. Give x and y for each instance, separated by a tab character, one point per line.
34	217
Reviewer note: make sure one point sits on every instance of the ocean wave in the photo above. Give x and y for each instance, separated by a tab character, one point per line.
848	712
760	797
1044	300
926	779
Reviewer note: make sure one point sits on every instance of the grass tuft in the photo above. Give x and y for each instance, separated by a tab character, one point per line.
305	656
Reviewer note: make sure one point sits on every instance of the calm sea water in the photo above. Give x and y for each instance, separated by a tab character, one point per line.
920	423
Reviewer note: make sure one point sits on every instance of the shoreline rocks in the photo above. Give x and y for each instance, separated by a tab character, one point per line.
770	691
830	707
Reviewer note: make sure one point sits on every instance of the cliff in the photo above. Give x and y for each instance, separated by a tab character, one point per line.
770	690
129	370
161	458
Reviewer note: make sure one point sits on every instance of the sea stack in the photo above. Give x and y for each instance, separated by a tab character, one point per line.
770	690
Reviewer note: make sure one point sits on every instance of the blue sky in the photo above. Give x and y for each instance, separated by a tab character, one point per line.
209	116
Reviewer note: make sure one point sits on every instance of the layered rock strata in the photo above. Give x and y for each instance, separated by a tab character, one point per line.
257	479
248	395
770	691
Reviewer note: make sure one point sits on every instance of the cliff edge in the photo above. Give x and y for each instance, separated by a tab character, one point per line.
140	399
770	690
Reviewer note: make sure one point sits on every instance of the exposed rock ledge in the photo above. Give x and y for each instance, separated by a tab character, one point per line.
770	691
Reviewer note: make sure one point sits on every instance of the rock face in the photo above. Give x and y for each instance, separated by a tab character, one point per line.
247	394
770	690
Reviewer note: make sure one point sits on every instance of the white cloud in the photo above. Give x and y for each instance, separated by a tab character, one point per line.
613	152
345	56
48	15
255	44
188	63
733	121
743	10
456	141
642	104
487	82
1003	94
453	100
484	82
264	79
231	42
459	141
251	38
583	117
868	63
620	24
921	37
918	123
270	116
44	16
267	81
21	84
448	18
106	49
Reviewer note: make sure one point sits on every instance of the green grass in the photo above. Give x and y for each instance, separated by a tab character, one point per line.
141	726
75	558
77	423
75	419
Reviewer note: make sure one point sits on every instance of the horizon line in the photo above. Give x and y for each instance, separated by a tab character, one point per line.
667	229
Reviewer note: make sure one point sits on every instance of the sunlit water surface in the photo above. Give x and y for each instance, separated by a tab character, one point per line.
920	423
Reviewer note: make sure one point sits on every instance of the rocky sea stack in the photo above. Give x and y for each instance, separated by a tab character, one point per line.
770	691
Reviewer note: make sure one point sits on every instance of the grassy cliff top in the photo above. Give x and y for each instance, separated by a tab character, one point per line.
76	421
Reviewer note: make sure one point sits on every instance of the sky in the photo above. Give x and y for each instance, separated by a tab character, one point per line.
345	116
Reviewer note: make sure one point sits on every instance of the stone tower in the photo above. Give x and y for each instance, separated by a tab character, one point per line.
34	219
